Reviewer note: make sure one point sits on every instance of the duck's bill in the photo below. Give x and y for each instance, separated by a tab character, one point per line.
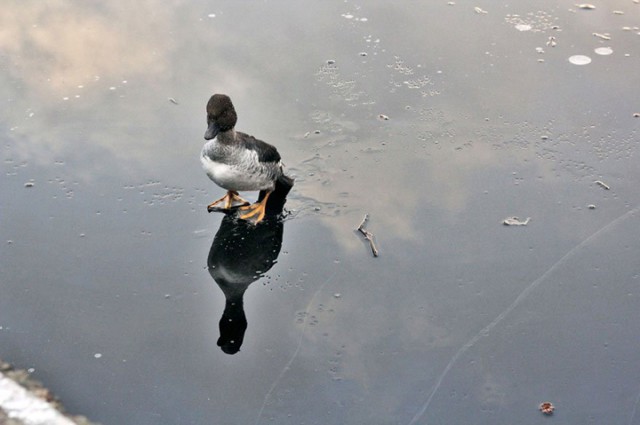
212	131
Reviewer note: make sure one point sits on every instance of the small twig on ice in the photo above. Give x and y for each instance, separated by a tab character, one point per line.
368	235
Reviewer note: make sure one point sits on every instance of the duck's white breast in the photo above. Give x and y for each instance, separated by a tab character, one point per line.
223	175
234	177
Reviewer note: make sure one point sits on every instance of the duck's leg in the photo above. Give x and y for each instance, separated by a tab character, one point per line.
259	209
231	197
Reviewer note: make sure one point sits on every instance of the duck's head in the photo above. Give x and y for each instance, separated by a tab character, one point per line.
221	116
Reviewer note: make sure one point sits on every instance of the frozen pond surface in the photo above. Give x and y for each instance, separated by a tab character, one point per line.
439	119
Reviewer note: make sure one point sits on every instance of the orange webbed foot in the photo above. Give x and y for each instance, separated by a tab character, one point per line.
228	199
256	210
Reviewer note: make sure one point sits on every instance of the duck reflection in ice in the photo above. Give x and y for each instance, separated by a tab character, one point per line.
240	254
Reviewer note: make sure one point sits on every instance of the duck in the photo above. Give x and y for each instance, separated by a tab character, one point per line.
237	162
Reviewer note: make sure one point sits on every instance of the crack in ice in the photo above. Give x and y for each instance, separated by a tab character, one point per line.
513	305
295	353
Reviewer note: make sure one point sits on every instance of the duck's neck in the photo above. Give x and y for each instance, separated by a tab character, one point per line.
228	136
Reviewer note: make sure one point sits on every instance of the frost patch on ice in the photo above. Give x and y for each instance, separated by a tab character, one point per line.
603	51
580	60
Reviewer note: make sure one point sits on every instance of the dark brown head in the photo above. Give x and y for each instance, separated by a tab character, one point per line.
221	116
